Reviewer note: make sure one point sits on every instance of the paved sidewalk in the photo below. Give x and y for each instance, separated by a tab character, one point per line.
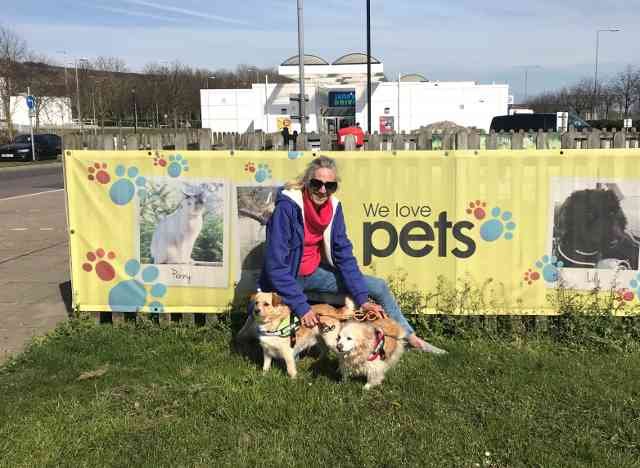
34	269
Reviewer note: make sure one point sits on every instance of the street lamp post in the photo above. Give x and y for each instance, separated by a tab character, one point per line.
78	94
212	77
595	78
526	79
301	101
135	111
66	79
369	66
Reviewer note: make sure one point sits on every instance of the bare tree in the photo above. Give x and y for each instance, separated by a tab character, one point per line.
625	86
13	50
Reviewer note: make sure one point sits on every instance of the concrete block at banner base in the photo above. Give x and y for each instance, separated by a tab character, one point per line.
212	319
462	140
181	141
187	319
117	318
593	139
349	143
517	140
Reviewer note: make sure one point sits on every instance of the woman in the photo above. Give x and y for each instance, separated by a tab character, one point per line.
308	249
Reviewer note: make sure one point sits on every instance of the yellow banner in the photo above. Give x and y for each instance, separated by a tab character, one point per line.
184	231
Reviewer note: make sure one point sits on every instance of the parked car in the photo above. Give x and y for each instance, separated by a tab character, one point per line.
548	122
47	146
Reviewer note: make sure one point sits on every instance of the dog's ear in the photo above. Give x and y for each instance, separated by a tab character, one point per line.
276	300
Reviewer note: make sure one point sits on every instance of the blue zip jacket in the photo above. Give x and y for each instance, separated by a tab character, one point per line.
283	253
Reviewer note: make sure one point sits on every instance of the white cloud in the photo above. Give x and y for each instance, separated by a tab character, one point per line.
187	12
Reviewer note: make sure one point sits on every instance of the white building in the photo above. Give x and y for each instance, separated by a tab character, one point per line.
338	92
53	112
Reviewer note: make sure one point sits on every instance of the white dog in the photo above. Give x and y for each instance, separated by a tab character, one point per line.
370	349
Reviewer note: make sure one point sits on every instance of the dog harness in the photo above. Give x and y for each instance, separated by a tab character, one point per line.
378	347
286	328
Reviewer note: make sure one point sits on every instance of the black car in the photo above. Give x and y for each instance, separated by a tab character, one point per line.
47	146
547	122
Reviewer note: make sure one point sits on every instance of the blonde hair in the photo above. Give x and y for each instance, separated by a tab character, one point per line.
321	162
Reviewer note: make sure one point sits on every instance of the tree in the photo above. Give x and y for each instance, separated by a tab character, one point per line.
13	50
626	87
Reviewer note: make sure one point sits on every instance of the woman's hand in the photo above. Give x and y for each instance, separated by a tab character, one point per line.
310	319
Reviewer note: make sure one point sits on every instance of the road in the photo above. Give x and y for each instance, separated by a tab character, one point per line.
34	257
22	180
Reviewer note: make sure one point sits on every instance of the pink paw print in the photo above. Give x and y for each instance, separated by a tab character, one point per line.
624	295
98	173
250	167
103	268
530	276
477	209
159	161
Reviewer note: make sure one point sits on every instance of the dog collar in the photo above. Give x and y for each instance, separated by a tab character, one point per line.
285	328
378	347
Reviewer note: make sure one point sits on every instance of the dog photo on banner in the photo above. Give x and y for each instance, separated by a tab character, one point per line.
595	230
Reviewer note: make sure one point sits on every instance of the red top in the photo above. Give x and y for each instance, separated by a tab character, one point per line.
316	220
355	131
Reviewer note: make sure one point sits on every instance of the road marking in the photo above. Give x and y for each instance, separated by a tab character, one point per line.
31	195
46	229
18	229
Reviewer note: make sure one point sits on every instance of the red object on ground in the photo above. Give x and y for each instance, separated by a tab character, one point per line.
355	131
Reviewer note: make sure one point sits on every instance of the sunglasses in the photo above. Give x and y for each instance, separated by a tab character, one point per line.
316	185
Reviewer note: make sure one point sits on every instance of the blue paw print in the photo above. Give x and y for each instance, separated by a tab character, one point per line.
123	190
549	267
263	173
494	228
177	166
131	295
635	284
294	154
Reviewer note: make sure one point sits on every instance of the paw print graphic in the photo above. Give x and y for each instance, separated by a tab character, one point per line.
624	295
101	265
177	166
99	173
549	266
500	226
634	284
159	161
123	190
263	173
477	209
250	167
530	276
131	295
295	154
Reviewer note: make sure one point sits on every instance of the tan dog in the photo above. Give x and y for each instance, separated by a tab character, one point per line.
370	348
281	339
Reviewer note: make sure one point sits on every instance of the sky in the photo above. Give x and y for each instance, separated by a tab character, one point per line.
487	41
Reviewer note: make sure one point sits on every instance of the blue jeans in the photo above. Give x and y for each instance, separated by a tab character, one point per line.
329	280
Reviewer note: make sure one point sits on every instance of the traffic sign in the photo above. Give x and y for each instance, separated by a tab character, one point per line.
31	103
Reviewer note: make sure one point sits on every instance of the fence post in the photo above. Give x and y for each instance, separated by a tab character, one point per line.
473	142
462	140
517	140
107	142
132	142
492	140
593	139
181	141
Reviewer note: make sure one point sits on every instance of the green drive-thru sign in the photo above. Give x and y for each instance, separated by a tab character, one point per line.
342	98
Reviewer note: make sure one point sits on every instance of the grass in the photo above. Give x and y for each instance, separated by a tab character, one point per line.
182	396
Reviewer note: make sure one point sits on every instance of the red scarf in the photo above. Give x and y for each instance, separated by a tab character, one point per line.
316	220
